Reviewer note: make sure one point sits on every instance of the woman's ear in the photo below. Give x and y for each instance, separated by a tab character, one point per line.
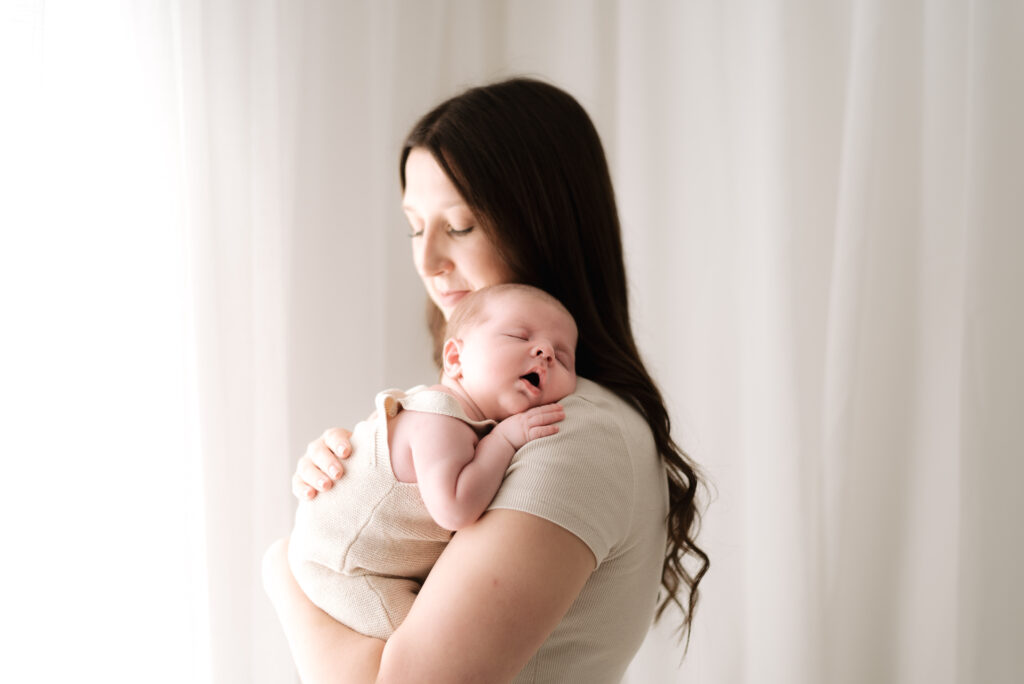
451	357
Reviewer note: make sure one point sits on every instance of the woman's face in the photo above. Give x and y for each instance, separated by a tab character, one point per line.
451	252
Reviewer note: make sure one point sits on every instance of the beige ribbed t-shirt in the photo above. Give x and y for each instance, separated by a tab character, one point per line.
600	478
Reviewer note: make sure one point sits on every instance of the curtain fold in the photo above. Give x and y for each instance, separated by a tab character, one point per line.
990	601
236	142
822	234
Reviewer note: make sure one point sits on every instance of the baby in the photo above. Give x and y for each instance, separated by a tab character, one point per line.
424	464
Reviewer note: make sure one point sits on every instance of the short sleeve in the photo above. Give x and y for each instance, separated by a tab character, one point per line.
581	478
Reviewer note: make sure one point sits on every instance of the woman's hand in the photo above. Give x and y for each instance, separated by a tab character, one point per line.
320	466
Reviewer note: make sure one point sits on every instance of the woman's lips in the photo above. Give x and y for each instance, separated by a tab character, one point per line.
449	299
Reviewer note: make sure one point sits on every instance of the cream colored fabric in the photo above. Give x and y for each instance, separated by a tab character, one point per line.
361	550
600	478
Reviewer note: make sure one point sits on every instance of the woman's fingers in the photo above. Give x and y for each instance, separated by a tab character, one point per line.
300	489
325	451
320	466
337	442
308	480
311	474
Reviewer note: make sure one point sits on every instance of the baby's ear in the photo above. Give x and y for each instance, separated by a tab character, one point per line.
451	357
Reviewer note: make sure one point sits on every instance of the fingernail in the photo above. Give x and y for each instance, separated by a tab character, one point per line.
335	472
309	493
325	484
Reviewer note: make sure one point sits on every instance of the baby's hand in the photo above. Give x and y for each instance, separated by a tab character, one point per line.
528	425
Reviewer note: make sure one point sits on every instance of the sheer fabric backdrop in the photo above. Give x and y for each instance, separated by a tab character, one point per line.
824	224
104	571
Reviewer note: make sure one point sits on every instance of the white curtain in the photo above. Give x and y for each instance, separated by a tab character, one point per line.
827	235
104	574
823	215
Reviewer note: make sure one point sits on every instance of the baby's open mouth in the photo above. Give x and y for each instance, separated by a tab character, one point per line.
533	379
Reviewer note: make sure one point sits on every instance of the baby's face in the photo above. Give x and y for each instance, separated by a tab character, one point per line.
521	353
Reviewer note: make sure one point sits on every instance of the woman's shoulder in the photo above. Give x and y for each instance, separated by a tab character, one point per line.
598	425
591	475
594	412
597	395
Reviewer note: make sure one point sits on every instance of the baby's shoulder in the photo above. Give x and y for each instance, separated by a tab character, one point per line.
420	419
414	434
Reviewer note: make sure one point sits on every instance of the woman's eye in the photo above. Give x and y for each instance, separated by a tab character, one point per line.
415	233
452	230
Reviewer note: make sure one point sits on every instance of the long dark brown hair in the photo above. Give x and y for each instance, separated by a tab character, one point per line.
527	159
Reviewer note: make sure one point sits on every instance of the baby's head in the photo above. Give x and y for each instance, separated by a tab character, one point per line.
510	347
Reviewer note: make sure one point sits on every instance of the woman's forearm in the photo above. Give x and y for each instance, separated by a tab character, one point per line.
324	650
485	608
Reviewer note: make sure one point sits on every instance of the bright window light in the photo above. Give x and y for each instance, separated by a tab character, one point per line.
101	491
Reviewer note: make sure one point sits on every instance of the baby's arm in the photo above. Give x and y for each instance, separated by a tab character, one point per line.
456	480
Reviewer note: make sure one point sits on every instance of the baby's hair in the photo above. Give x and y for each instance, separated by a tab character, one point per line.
471	308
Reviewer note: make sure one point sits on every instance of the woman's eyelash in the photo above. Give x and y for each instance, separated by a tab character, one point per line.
452	230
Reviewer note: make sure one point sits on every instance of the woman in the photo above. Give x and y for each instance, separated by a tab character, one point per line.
559	580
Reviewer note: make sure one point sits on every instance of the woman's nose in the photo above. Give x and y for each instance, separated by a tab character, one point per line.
434	258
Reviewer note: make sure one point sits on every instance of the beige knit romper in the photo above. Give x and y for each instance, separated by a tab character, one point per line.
361	550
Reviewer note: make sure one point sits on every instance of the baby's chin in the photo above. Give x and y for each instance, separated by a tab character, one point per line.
510	408
501	415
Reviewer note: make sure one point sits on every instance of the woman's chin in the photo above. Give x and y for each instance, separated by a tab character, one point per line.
447	302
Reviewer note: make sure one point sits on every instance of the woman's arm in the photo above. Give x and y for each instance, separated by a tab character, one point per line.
498	590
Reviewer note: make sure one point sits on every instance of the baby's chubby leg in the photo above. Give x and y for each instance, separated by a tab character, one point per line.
369	604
